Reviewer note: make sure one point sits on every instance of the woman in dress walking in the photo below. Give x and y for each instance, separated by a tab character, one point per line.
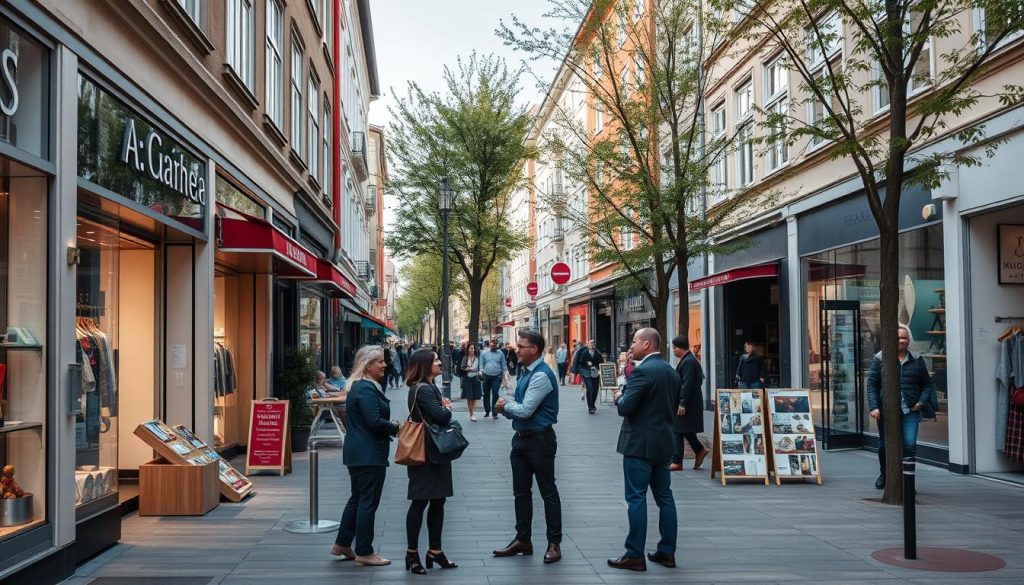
365	454
471	390
430	484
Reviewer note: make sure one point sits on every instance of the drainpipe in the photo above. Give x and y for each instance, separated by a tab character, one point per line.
336	126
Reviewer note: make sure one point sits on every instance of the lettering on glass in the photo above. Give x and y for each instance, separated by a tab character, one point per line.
1011	254
146	155
8	69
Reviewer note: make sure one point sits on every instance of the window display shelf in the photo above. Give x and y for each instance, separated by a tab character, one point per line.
935	332
6	531
937	311
20	347
13	427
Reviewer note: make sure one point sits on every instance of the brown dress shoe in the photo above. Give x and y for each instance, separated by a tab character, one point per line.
675	467
554	553
516	547
699	458
663	559
630	563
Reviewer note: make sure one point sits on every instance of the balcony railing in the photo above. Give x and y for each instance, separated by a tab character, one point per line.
363	269
359	156
370	202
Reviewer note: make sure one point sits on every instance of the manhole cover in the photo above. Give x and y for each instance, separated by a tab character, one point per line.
947	560
151	581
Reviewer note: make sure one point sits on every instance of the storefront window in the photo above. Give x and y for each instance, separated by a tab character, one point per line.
226	346
311	332
694	332
23	347
24	91
234	198
852	274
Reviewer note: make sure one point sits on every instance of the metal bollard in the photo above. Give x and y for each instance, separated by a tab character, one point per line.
909	510
314	524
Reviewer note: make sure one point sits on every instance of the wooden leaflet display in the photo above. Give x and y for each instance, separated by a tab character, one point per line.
739	440
170	489
794	447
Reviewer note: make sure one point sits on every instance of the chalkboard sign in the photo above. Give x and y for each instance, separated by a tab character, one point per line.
608	375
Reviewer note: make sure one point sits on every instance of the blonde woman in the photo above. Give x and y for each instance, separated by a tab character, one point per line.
366	455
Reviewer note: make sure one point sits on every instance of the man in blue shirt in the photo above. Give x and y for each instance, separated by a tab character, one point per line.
534	413
492	369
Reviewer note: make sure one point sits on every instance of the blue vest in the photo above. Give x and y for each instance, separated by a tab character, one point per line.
546	414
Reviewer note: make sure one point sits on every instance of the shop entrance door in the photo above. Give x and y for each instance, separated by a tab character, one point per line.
841	387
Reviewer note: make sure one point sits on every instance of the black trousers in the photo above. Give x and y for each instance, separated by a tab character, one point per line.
593	386
534	456
435	522
361	510
681	440
491	392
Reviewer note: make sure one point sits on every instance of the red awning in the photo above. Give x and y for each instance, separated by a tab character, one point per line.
256	246
505	324
329	275
736	274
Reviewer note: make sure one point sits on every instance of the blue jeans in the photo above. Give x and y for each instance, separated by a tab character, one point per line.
753	385
909	424
639	474
492	391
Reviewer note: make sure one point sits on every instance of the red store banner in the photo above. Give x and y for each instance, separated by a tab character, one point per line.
268	433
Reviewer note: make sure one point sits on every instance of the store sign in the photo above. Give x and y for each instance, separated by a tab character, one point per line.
148	155
268	428
24	91
1011	254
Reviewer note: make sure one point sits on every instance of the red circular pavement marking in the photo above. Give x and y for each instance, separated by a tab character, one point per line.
946	560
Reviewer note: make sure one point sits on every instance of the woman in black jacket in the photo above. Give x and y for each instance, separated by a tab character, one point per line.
431	483
365	453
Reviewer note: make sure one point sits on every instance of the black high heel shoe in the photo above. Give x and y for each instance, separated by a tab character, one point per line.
412	563
441	560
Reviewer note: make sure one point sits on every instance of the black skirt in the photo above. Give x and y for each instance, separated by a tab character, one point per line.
471	389
430	481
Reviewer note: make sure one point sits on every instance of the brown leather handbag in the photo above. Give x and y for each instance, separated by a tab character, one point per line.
412	439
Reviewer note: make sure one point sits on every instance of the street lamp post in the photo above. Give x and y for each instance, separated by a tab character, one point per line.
445	194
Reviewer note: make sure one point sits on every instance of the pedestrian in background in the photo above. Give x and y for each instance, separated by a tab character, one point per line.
630	364
689	419
590	359
430	484
562	362
470	368
750	373
395	371
534	412
549	359
916	395
647	406
337	379
492	370
513	362
365	454
574	365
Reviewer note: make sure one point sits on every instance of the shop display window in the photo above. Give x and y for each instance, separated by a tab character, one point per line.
116	333
226	346
311	321
23	348
852	273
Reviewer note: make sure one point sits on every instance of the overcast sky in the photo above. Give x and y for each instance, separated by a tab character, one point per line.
415	39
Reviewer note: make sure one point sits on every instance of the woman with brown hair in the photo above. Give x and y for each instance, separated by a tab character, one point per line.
471	389
430	483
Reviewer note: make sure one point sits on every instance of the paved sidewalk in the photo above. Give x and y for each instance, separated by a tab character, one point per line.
741	533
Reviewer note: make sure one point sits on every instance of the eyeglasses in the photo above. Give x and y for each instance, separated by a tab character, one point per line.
526	346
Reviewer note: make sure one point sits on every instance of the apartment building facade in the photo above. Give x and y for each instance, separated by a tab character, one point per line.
173	190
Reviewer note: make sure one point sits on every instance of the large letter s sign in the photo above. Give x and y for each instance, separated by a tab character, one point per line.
9	65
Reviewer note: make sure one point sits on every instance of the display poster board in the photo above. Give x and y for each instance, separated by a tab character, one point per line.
268	437
793	443
739	441
1011	254
609	377
180	446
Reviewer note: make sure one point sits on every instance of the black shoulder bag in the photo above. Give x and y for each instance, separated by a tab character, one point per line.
447	441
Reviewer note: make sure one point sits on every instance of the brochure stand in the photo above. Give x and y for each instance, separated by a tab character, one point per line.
739	441
794	448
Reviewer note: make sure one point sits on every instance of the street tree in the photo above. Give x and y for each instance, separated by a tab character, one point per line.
491	302
646	155
422	292
847	57
473	134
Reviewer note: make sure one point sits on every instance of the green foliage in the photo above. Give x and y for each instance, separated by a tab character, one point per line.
297	377
473	133
421	291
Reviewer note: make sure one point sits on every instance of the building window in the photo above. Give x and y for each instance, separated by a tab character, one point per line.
719	165
597	66
744	101
638	9
823	53
991	26
620	28
297	114
638	60
275	62
624	79
745	155
327	21
598	120
194	10
313	126
240	24
626	238
776	86
328	164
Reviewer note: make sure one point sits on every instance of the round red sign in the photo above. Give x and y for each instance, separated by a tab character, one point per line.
531	288
560	273
508	301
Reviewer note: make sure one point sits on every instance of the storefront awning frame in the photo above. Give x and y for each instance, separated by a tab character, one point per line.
766	270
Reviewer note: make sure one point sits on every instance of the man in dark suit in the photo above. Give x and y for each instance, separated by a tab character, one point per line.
689	419
647	406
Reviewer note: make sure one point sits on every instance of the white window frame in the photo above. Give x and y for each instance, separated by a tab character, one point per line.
274	63
744	100
745	155
328	175
327	21
597	67
720	165
598	120
620	28
819	65
638	9
313	125
638	64
624	79
241	22
776	91
194	10
298	115
979	26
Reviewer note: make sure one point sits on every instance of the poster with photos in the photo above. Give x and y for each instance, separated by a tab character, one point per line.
741	439
793	442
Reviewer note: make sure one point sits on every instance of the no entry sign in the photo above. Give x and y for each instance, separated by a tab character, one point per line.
508	301
531	288
560	273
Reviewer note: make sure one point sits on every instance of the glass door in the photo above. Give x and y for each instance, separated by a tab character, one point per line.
841	414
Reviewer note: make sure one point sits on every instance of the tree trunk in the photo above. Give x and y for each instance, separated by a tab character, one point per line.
683	317
661	319
891	411
439	326
476	284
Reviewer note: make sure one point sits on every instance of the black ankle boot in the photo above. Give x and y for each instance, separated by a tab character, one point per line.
412	563
441	560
